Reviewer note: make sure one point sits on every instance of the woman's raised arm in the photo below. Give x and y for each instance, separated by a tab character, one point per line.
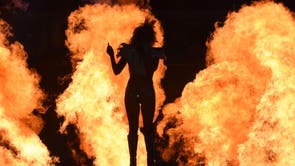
117	67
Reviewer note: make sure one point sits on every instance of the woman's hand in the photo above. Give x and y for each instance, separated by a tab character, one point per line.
110	50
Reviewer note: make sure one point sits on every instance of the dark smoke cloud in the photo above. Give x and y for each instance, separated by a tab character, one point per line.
13	6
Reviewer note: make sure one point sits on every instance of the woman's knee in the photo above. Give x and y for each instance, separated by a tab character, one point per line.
132	131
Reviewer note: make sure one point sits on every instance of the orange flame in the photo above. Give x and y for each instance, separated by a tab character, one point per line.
94	99
240	110
19	96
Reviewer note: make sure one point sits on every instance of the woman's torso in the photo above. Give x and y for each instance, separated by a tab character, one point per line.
142	65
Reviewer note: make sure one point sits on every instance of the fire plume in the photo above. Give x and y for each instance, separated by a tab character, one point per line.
19	96
240	109
94	99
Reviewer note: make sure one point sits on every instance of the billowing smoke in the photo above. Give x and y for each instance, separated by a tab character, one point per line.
94	101
20	4
20	95
13	5
240	109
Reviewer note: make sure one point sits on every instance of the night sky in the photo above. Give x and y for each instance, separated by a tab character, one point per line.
187	25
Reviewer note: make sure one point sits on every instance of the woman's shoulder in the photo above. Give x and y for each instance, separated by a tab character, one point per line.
125	50
126	46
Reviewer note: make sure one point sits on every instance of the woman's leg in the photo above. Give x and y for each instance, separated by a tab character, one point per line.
148	111
132	109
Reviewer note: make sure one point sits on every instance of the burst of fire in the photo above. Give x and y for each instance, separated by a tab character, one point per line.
94	99
240	109
19	96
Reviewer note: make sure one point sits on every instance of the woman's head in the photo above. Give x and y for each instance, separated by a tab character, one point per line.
144	34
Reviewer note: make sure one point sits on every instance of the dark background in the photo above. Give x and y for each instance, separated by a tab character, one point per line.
187	25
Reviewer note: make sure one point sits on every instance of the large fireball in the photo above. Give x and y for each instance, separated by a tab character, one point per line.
94	101
240	109
19	96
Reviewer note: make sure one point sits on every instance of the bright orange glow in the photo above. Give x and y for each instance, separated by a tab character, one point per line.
240	110
19	96
94	101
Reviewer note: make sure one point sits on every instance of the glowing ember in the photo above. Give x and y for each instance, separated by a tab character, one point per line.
19	96
94	99
240	110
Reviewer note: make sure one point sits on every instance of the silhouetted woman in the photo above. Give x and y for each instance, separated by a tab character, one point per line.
142	59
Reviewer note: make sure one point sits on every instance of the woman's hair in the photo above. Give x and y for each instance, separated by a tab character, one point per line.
144	33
